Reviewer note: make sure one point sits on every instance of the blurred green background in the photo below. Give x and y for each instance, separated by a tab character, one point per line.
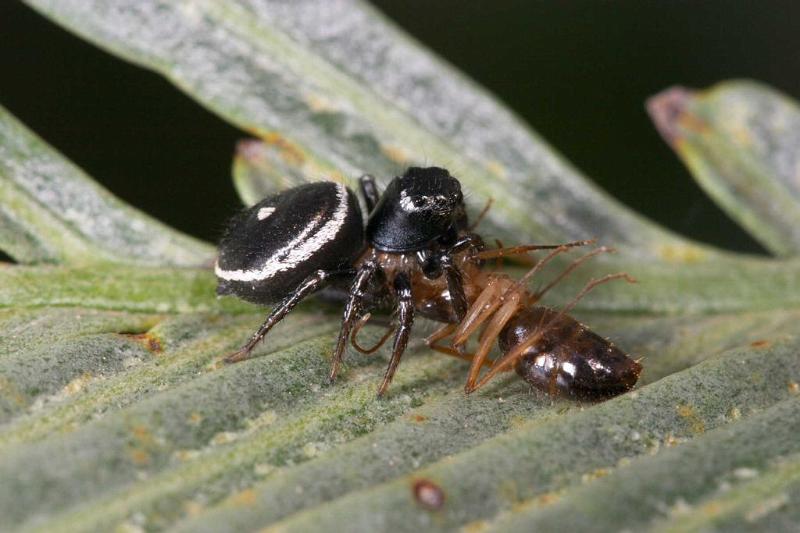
577	71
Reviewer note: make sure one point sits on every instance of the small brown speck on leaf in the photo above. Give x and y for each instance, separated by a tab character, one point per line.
428	494
148	340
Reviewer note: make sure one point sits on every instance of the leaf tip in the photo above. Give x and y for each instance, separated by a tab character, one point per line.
665	110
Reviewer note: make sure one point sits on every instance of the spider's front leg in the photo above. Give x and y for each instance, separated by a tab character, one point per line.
455	285
352	312
405	320
442	263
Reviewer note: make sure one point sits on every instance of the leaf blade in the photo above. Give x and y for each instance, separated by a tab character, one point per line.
739	139
51	212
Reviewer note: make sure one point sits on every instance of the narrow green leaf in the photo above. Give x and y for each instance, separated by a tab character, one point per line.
63	365
719	287
261	169
51	212
116	287
740	140
747	499
198	439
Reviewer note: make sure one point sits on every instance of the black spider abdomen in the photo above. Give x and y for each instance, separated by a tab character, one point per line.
269	249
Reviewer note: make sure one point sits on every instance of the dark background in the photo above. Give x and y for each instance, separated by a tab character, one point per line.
578	71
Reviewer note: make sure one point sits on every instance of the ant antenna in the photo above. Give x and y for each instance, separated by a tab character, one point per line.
575	264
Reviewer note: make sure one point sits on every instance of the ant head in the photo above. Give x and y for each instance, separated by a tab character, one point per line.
417	208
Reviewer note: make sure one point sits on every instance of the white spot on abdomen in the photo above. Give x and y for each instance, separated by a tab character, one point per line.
264	212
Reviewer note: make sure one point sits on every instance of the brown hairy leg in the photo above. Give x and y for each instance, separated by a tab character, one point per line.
570	268
445	331
482	214
498	321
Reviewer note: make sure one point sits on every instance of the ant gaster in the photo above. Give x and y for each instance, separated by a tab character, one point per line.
417	254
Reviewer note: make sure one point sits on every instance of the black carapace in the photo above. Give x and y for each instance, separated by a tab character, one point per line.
416	254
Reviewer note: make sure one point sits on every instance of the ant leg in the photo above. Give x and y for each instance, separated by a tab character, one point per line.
369	190
445	331
357	329
441	333
590	285
464	356
521	282
575	264
315	281
498	261
517	250
489	335
482	214
351	312
484	305
405	319
511	357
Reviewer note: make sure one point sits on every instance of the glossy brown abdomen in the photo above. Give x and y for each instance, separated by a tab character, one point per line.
568	358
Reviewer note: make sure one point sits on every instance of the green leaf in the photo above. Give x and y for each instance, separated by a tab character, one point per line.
740	140
114	287
261	169
116	412
51	212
